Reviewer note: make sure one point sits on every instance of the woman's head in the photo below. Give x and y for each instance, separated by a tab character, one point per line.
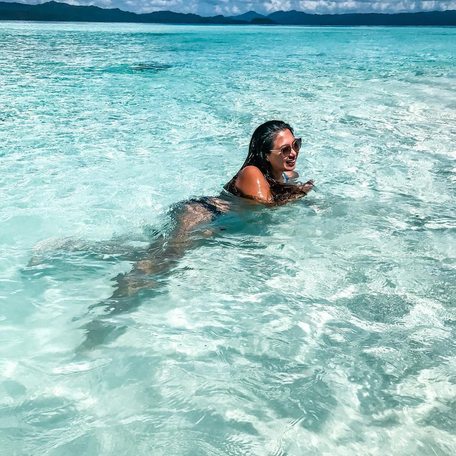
266	148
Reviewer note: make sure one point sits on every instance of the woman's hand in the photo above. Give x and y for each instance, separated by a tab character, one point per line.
307	187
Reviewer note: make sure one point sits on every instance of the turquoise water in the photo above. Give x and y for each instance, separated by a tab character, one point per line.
323	327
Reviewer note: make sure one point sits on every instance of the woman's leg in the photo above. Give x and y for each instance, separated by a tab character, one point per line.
148	273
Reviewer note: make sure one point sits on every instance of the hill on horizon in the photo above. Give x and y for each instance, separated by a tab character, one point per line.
56	11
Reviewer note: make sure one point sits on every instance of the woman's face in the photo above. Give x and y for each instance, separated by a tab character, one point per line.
283	156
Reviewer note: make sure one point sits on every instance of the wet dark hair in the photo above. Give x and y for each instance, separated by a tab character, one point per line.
261	143
260	146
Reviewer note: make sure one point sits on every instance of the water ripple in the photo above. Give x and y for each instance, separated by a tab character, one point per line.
322	327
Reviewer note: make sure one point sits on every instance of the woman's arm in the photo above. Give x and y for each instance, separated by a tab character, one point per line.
252	184
307	186
294	192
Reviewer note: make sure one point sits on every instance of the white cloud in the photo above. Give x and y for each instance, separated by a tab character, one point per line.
233	7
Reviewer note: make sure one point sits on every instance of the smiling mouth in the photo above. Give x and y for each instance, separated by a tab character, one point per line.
291	162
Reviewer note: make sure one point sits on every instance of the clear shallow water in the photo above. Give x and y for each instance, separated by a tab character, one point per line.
324	326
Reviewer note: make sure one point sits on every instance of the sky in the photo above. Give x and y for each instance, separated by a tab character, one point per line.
234	7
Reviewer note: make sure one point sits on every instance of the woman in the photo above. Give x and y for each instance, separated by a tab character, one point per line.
265	177
266	173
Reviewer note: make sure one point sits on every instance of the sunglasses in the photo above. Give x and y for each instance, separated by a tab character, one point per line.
287	148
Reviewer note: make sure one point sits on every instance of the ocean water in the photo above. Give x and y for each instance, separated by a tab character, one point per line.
326	326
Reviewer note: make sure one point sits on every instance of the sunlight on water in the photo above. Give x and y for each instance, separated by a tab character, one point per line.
323	327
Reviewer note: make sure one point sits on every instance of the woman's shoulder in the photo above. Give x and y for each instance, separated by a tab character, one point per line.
252	183
250	172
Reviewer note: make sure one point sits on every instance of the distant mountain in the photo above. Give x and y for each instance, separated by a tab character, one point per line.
169	17
447	18
253	17
54	11
249	16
